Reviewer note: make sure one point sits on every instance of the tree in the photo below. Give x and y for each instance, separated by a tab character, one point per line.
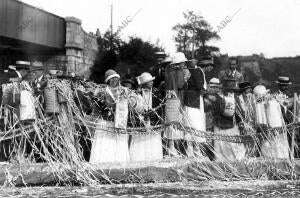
137	56
194	34
106	56
132	57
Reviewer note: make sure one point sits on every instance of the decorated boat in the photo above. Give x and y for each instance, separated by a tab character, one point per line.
54	142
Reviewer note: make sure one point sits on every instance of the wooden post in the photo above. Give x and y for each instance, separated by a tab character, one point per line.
293	133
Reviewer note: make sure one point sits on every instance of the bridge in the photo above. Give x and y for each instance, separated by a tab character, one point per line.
33	34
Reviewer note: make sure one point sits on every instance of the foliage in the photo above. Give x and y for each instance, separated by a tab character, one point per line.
134	56
193	35
139	54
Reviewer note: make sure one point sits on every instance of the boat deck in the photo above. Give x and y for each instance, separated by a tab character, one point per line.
167	170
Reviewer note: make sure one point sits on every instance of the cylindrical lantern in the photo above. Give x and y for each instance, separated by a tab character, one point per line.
260	114
51	100
172	110
27	108
274	115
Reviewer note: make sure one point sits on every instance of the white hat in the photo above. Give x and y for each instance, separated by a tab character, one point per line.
109	74
23	63
260	90
178	57
167	60
283	80
214	82
144	78
12	67
72	74
52	71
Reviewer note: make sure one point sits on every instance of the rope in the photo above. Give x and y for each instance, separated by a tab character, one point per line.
198	133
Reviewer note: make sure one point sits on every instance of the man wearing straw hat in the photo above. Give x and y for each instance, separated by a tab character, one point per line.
13	74
148	147
194	115
23	69
283	83
285	97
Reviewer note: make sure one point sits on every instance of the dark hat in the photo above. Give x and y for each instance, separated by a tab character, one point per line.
230	84
245	85
283	80
128	80
206	61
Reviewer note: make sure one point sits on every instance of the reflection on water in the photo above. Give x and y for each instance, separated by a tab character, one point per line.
205	189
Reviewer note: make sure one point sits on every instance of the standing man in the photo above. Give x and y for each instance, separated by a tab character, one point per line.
23	69
283	83
286	99
231	72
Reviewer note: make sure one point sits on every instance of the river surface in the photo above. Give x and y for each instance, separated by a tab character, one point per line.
218	189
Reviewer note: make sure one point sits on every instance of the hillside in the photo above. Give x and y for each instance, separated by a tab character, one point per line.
260	70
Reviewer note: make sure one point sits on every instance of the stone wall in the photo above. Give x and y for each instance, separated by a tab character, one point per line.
80	52
81	48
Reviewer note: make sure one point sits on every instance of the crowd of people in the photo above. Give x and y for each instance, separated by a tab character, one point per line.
184	103
226	105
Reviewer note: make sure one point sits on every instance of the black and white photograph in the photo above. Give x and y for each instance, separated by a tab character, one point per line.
149	98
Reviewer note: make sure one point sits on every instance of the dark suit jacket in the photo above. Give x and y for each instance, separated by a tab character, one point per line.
194	88
225	74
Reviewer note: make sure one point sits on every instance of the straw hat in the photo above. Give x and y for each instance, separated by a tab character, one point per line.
144	78
214	82
109	74
12	67
283	80
260	90
53	71
22	65
178	57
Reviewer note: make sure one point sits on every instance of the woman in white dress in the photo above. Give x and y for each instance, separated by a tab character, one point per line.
108	145
147	147
269	116
194	116
225	124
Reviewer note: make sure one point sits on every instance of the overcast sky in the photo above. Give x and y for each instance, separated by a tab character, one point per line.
259	26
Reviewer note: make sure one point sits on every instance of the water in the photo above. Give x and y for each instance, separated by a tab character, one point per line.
188	189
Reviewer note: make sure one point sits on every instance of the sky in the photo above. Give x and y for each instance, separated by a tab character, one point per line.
258	26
